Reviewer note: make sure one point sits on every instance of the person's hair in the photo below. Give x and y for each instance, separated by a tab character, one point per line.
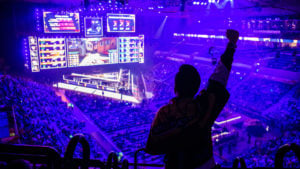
187	81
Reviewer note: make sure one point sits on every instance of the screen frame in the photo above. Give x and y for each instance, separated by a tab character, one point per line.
107	23
44	23
40	55
85	30
98	38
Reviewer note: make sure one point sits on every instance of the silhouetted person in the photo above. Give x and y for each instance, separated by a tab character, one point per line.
182	129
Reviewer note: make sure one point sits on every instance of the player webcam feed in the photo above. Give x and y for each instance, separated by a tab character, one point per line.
92	51
93	26
33	49
61	23
120	23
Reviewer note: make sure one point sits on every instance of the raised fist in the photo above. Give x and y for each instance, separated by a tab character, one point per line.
232	35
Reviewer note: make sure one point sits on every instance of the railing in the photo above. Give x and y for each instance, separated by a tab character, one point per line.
44	155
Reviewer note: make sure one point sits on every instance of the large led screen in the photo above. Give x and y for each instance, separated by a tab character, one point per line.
92	51
51	53
120	23
61	23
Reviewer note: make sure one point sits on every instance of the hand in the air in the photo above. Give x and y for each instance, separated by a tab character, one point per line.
232	35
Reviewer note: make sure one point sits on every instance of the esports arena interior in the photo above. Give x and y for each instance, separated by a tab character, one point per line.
82	80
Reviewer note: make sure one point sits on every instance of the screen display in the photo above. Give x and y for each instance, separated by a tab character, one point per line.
52	53
34	58
131	49
61	23
93	26
120	23
92	51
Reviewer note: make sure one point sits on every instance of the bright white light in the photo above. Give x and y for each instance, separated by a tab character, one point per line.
251	38
229	120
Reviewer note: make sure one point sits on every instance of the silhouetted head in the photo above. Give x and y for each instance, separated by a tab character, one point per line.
187	81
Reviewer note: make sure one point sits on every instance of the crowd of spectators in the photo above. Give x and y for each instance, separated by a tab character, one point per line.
284	60
261	93
42	118
127	125
264	155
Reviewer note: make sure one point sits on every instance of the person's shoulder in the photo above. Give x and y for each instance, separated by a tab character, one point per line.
166	108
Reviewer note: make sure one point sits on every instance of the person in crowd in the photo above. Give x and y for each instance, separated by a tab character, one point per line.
182	128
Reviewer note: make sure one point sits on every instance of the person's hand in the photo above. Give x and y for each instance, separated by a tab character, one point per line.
232	35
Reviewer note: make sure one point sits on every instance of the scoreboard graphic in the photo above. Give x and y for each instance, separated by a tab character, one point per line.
131	49
120	23
61	23
52	52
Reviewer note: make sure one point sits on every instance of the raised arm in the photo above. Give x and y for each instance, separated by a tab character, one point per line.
216	93
223	68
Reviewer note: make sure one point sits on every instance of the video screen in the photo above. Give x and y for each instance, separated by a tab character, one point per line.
61	23
92	51
34	58
52	53
120	23
131	49
93	26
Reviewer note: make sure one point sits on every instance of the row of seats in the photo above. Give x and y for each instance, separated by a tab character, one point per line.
45	157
